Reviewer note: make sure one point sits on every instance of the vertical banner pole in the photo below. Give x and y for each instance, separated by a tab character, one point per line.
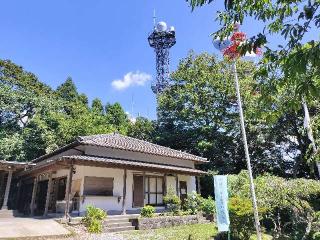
221	198
244	136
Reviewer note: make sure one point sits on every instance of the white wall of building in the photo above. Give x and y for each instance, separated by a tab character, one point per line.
191	182
111	203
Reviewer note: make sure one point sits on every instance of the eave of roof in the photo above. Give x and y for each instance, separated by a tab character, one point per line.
130	164
84	160
14	164
57	151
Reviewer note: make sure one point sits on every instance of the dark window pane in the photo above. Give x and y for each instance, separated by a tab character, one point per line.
98	186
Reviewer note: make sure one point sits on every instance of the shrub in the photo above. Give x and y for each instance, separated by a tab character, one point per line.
316	236
172	201
147	211
208	206
241	217
287	210
93	219
193	203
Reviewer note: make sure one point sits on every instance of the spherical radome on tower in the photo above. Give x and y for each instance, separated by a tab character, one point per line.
171	29
161	26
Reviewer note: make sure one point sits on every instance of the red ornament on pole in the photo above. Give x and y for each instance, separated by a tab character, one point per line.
232	52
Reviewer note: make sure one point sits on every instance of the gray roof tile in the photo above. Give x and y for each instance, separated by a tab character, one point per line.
119	141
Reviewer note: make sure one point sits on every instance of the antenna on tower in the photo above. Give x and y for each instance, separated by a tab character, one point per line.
154	18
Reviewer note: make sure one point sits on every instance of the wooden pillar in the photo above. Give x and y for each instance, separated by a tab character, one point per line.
2	183
49	188
165	184
68	191
144	186
198	185
7	191
124	192
149	190
34	193
177	185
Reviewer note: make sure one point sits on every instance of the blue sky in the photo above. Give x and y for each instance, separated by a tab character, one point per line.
97	42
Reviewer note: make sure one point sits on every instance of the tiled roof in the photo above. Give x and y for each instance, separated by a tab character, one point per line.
130	164
119	141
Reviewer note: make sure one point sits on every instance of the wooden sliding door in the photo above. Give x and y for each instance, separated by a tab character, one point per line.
138	191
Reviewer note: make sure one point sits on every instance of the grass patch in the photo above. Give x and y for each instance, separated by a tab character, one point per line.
186	232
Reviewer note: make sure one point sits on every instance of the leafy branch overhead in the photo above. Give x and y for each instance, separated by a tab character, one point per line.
290	21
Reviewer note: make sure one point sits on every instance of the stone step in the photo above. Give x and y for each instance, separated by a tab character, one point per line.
119	224
116	220
120	229
128	216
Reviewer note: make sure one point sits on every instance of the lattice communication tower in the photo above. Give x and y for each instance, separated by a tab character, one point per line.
162	39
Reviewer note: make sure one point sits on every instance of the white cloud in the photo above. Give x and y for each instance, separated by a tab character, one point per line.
131	79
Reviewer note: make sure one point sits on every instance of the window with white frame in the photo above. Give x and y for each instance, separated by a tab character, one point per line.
154	190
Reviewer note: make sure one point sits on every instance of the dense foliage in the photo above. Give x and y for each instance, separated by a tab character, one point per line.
93	219
208	206
288	207
193	203
241	217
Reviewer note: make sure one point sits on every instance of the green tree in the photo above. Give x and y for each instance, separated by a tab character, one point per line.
198	114
116	116
280	104
97	106
35	120
83	99
143	129
68	90
23	99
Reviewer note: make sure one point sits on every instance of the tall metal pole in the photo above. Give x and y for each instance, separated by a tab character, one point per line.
244	136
